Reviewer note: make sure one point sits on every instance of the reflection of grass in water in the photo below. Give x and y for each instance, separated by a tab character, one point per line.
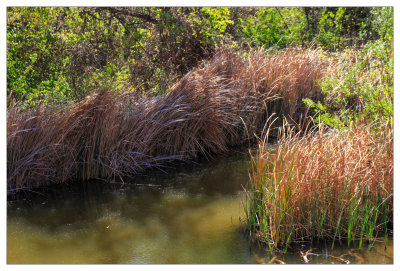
31	245
203	215
183	230
189	230
198	230
110	239
116	239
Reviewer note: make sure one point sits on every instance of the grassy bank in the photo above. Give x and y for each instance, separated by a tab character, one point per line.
334	181
214	107
335	186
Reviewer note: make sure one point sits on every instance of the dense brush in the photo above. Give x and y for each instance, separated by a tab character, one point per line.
334	185
212	108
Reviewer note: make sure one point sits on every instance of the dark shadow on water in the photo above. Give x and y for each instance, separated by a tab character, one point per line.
186	214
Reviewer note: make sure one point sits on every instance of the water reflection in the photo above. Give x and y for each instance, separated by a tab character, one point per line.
186	217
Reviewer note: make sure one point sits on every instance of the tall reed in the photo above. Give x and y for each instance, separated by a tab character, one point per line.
336	185
212	108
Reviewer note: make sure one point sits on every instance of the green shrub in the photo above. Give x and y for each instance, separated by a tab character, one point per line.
359	86
61	54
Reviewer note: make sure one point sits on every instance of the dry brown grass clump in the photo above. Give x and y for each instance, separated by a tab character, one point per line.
212	108
323	186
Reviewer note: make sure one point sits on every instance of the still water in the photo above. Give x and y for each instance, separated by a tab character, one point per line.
188	216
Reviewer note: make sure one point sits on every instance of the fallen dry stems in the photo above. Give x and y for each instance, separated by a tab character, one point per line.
211	109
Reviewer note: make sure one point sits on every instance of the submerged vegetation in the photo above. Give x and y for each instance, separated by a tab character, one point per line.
108	92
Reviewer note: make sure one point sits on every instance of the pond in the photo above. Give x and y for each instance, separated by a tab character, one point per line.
191	215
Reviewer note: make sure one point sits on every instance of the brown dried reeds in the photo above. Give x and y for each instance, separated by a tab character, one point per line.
336	185
214	107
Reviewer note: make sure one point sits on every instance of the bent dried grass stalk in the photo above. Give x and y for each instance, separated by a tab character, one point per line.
206	112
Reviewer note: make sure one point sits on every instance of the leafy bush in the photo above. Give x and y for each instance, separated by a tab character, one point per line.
61	54
278	27
360	85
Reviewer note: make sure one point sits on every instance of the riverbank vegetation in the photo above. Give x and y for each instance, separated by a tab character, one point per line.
109	92
318	186
334	180
212	108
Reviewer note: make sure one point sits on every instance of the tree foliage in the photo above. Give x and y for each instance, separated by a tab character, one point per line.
60	54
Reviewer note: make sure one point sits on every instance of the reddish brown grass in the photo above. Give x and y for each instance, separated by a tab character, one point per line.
323	186
212	108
